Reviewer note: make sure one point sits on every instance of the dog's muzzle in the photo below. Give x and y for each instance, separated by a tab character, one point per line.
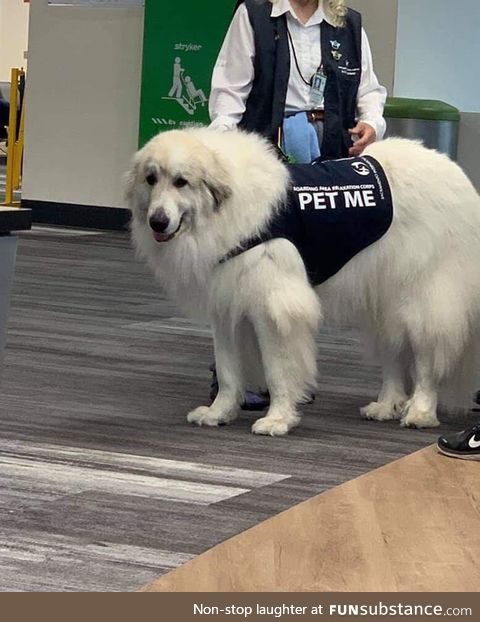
159	224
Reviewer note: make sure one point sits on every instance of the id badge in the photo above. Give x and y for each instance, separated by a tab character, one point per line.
317	89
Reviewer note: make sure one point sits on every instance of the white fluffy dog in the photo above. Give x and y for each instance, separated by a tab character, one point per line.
415	292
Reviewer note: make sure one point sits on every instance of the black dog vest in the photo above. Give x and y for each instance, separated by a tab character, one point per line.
335	209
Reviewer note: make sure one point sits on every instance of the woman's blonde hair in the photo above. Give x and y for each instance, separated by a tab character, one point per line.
335	9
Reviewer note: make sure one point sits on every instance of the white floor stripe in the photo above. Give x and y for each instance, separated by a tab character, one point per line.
60	479
155	467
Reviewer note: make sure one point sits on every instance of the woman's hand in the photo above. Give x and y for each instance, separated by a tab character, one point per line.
366	136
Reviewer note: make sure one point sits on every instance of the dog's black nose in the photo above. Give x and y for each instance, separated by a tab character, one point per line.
159	223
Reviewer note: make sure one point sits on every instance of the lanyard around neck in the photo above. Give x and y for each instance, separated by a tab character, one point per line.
290	38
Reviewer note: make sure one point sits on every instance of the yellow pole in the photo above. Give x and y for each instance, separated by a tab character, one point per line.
18	151
12	134
15	145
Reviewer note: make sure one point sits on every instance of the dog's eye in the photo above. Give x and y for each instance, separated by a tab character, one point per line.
151	179
180	182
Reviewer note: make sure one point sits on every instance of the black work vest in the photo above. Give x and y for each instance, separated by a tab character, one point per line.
335	210
265	106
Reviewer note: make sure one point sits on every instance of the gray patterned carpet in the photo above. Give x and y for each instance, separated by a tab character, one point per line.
103	486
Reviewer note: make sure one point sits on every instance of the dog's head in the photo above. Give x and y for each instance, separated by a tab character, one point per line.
176	183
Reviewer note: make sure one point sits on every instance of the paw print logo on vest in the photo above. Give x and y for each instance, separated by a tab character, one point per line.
361	168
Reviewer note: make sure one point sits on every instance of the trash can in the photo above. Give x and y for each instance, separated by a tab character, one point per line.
433	122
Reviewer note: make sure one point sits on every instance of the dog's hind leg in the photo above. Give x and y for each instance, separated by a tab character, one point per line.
289	365
225	408
421	409
392	397
436	321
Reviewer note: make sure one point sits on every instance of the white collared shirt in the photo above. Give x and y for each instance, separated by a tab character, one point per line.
234	70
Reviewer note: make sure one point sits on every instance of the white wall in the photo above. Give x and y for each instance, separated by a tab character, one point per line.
438	50
13	36
83	100
380	23
438	47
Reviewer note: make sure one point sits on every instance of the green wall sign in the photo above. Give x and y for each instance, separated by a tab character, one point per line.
181	44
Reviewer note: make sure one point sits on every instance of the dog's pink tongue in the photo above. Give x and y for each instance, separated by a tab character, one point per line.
162	237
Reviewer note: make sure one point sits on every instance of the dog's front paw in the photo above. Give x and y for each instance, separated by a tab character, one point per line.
418	418
206	415
274	426
382	411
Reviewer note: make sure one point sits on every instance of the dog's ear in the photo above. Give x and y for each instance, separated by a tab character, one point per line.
218	182
129	181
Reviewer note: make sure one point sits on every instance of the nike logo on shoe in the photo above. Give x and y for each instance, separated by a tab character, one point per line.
474	444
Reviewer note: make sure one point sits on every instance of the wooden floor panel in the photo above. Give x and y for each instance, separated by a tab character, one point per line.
413	525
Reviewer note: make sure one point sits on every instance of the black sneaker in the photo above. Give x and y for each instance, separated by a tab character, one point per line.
465	445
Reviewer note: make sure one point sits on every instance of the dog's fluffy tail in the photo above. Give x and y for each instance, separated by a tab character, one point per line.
293	304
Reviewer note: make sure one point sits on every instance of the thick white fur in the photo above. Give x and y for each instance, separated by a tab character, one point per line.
415	293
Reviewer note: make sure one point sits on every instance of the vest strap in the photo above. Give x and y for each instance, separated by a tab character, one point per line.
244	247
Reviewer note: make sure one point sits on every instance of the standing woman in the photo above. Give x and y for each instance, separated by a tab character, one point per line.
299	72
